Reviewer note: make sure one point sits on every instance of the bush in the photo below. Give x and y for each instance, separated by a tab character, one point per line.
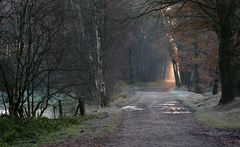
120	85
140	84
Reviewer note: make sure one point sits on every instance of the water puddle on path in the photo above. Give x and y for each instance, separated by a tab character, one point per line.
131	108
171	107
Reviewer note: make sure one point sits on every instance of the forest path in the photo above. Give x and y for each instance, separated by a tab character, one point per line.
157	119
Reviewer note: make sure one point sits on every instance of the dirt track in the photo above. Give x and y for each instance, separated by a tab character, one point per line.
157	119
163	122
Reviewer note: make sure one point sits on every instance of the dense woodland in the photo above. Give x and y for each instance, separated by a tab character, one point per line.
81	49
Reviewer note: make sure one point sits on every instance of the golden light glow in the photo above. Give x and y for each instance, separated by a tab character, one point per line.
170	73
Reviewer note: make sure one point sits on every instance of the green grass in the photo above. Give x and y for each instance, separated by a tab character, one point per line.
139	84
112	124
218	119
32	132
42	131
210	113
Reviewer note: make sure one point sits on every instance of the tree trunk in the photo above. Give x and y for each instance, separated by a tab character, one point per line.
215	82
197	87
28	104
226	80
4	103
130	66
13	110
100	29
176	74
54	111
12	107
33	101
60	108
183	78
215	87
82	106
236	89
189	81
225	50
164	72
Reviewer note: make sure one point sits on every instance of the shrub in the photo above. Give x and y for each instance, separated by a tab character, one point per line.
120	85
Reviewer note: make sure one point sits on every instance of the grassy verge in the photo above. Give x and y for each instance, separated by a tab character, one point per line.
42	131
25	132
209	112
30	132
98	127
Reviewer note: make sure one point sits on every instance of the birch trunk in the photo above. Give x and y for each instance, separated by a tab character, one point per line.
100	22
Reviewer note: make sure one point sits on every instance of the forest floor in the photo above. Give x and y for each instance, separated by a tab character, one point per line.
158	117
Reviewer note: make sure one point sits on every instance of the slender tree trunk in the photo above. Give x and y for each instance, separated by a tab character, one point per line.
189	76
4	103
130	66
54	111
176	74
82	106
32	90
197	87
60	109
164	71
28	104
173	51
215	82
100	20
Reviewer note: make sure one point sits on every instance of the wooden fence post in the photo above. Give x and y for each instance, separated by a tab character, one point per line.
60	108
54	111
